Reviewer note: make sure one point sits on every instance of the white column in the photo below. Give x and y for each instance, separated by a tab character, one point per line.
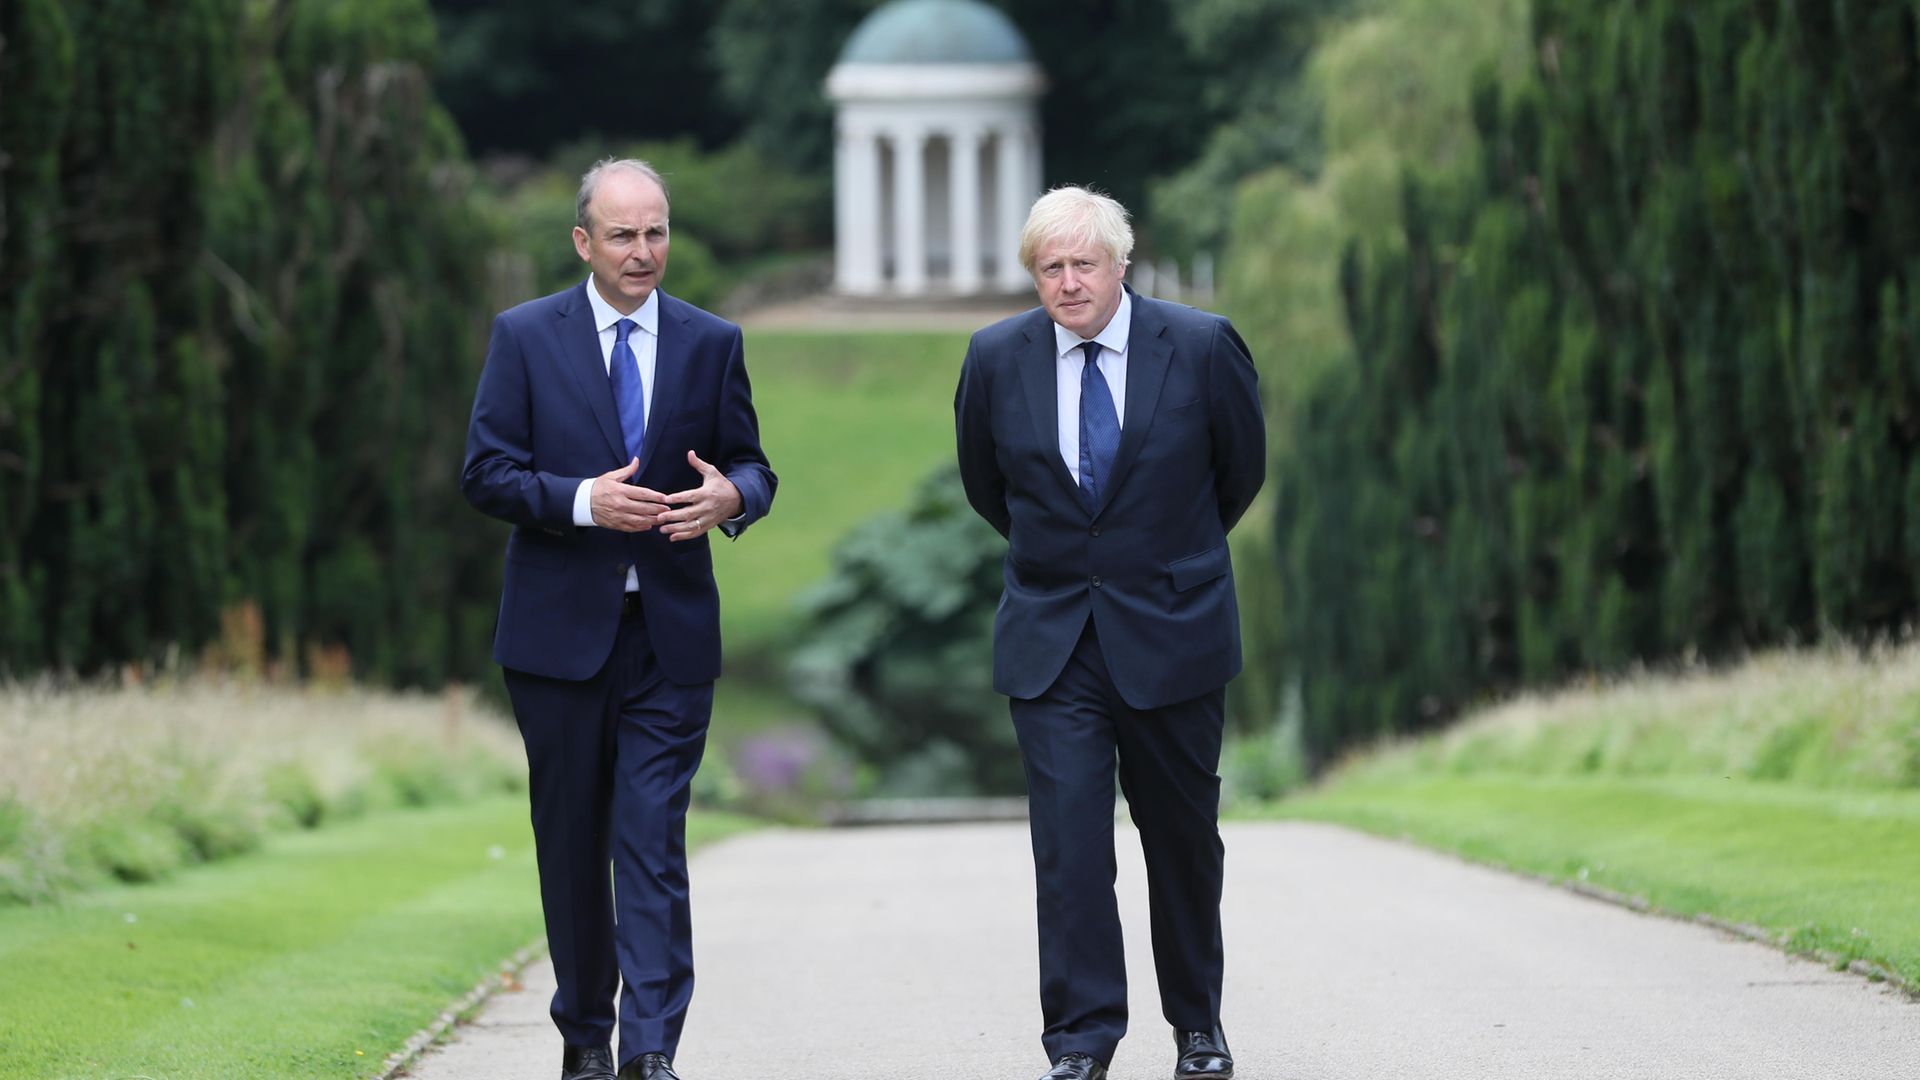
843	210
857	212
1015	200
1036	179
963	163
866	173
909	212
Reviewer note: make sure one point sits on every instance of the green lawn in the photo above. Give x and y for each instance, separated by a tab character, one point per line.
315	957
851	422
1831	870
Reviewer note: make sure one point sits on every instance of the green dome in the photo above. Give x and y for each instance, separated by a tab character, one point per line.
936	32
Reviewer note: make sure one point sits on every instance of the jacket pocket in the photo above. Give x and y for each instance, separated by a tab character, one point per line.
1199	569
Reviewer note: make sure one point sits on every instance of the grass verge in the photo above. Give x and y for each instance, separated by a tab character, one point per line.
1828	873
316	956
1779	795
851	422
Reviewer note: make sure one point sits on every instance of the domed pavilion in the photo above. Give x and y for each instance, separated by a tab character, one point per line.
937	154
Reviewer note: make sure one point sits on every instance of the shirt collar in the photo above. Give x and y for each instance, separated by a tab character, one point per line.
647	315
1113	338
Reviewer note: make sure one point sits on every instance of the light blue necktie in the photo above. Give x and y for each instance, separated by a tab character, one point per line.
1099	427
628	395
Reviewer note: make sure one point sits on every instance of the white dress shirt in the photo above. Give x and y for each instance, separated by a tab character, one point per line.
1069	361
645	342
642	341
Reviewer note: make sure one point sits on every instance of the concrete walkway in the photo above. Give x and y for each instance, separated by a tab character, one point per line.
909	953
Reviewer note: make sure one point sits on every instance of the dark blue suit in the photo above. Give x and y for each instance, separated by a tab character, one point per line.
613	709
1115	637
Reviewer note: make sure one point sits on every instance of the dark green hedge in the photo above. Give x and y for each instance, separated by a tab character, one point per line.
243	293
1643	384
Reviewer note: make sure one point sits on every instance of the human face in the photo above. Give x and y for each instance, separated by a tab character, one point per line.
1079	284
626	239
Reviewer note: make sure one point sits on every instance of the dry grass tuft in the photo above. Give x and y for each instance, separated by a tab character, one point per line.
133	783
1822	718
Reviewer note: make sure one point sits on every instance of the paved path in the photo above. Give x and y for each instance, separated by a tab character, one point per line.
909	953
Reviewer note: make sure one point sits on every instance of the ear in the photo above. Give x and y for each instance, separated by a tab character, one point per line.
580	242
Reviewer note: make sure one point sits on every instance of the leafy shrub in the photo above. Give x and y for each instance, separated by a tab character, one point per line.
1265	766
730	208
33	867
214	828
897	648
135	850
295	793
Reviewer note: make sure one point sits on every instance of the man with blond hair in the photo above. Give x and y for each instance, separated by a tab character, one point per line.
614	428
1114	440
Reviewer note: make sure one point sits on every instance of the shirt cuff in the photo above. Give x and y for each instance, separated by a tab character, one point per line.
583	503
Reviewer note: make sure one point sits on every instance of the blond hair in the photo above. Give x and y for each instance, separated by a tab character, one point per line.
1077	215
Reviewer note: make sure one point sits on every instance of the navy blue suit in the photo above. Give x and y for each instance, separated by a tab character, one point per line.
1115	638
613	708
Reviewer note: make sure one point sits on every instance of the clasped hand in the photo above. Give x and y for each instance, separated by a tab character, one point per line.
682	515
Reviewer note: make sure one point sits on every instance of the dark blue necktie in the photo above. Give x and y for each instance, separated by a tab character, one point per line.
1099	426
628	395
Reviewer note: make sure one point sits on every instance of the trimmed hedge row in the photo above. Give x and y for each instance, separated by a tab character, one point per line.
242	293
1642	383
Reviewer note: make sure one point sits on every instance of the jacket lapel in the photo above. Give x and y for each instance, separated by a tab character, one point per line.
1039	374
1149	354
672	354
580	354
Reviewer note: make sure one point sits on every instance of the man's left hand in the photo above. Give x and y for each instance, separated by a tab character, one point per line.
702	508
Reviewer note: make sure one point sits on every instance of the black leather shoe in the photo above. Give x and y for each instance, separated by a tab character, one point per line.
1076	1067
648	1067
587	1063
1203	1055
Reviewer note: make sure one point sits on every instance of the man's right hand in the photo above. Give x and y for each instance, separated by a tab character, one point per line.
623	506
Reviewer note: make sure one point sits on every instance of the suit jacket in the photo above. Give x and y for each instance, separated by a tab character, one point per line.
544	420
1149	563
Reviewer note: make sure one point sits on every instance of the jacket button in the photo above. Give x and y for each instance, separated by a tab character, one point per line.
1096	581
619	568
1096	530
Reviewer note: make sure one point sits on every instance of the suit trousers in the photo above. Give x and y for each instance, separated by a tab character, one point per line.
1168	761
610	760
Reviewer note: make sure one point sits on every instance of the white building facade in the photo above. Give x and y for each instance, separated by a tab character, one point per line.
937	151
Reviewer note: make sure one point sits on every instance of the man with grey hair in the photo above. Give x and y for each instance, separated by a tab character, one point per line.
1114	440
614	429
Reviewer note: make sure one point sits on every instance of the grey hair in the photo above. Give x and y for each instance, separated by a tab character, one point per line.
1076	214
604	166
